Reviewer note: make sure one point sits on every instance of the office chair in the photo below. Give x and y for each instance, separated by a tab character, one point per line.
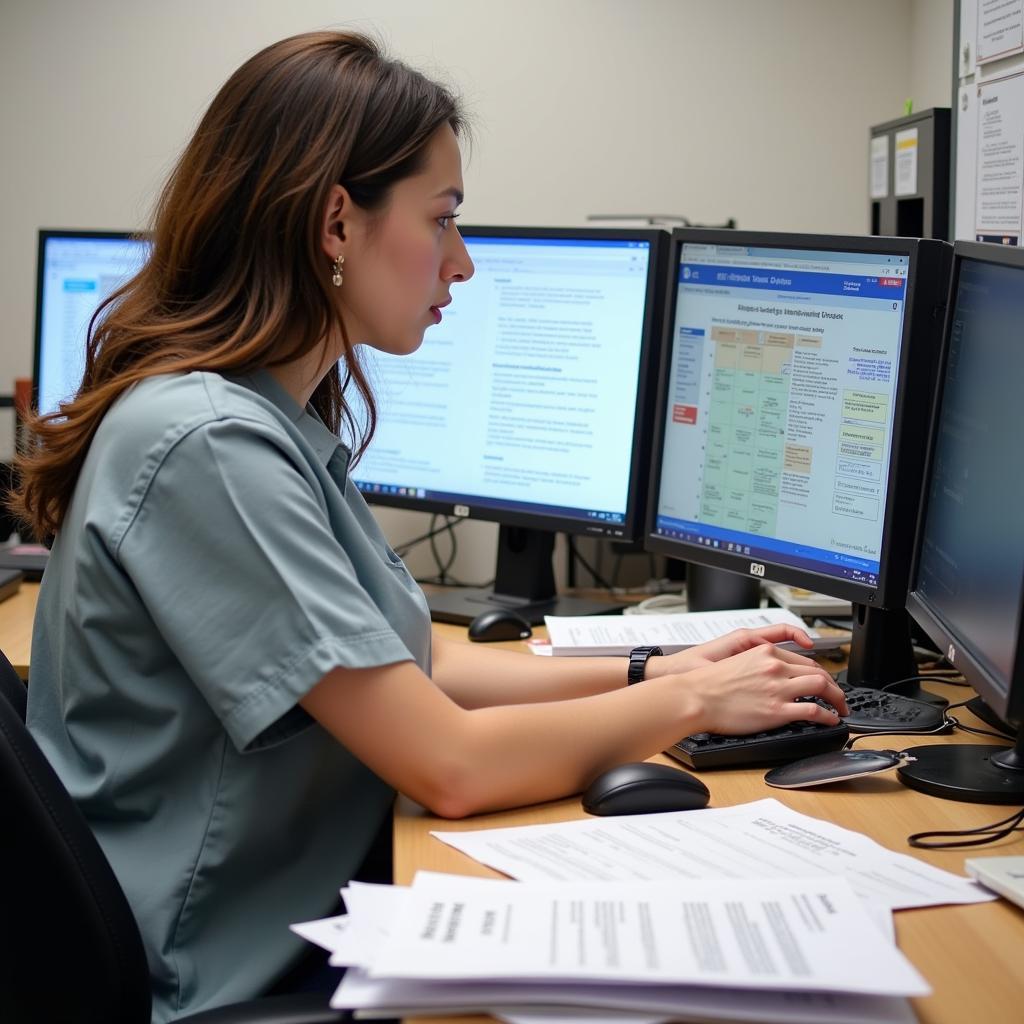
70	949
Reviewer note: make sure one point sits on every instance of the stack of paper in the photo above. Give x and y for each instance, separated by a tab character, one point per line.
768	950
592	635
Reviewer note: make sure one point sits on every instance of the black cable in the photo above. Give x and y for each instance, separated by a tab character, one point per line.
991	833
443	567
947	724
844	624
410	544
599	580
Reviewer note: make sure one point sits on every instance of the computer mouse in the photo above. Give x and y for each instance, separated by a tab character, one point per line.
835	766
499	624
644	788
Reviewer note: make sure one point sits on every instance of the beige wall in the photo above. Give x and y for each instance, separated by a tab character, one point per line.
755	109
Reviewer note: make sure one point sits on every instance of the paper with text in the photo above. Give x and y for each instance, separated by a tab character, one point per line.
763	839
796	935
593	635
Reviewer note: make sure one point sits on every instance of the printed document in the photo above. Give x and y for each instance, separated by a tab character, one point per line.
789	934
763	839
619	634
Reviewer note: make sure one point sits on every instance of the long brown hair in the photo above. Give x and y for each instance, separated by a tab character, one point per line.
237	278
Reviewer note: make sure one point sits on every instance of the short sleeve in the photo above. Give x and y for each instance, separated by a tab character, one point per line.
231	550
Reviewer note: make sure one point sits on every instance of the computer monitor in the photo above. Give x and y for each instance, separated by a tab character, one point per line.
76	271
795	384
528	405
967	582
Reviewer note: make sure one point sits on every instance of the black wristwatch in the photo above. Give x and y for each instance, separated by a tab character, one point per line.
638	663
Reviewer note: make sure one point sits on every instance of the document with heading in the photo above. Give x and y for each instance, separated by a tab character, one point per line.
373	909
808	934
763	839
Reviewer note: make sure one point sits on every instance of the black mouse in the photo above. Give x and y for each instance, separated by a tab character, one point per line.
644	788
499	624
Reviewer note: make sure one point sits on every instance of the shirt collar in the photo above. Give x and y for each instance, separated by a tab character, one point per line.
317	434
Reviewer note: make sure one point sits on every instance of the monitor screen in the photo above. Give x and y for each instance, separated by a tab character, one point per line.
527	405
969	575
77	270
781	404
524	402
967	583
795	383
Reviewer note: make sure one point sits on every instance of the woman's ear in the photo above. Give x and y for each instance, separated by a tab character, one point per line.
338	208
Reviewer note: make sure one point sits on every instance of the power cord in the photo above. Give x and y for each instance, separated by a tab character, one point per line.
986	833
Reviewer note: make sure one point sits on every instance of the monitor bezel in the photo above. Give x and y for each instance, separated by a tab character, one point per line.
44	234
901	500
1007	701
632	526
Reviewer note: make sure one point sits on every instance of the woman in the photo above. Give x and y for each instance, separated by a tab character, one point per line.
232	671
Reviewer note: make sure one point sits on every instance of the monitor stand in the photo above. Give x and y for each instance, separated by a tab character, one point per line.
882	652
976	773
719	590
524	582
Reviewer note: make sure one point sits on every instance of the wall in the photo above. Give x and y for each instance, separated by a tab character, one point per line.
754	109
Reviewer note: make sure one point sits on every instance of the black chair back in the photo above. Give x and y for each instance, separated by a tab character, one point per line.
73	953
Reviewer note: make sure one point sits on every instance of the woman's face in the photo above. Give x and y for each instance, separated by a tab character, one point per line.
400	263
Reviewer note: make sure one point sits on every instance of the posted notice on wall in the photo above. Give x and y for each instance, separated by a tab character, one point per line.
879	166
905	183
1000	29
1000	161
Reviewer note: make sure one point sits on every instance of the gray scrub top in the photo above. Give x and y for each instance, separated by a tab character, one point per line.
213	566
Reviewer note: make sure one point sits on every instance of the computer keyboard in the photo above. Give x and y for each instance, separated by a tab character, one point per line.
870	711
774	746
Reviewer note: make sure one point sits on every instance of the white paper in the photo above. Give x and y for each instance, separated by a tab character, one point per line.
807	934
1000	160
619	634
764	839
397	998
328	933
375	909
576	1015
880	167
1000	29
905	177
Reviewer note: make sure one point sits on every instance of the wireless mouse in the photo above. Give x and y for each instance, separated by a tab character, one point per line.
644	788
835	766
498	624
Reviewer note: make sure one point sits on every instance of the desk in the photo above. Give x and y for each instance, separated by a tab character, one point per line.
16	615
970	955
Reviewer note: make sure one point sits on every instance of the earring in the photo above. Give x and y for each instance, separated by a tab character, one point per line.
339	264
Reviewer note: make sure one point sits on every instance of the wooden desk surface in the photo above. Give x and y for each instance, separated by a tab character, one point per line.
970	955
16	615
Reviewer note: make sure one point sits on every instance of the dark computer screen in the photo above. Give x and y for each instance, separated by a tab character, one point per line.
527	405
796	378
967	588
969	577
76	271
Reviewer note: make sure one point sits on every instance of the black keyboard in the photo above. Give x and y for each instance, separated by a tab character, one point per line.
774	746
870	711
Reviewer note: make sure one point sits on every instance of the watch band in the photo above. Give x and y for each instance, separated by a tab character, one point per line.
638	663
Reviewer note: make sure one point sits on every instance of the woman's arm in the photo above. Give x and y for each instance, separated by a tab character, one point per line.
459	762
476	676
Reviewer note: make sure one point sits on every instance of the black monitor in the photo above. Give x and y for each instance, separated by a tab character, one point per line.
967	584
528	405
76	271
793	400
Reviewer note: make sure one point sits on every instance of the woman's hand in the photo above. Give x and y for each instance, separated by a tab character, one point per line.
736	642
757	689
